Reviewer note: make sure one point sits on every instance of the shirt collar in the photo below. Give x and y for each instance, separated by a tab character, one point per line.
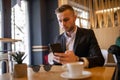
72	34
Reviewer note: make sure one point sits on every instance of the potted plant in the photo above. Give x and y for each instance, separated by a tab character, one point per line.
20	68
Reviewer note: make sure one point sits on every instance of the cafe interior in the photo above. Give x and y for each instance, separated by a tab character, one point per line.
30	25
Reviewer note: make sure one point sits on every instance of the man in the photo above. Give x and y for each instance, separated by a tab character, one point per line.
79	44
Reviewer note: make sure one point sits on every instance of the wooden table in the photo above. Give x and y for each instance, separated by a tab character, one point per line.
98	73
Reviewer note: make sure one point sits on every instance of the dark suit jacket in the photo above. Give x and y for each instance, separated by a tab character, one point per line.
85	45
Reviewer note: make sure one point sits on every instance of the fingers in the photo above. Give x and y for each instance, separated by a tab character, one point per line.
59	54
60	57
66	57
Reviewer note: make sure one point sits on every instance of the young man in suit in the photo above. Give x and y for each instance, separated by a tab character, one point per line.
78	44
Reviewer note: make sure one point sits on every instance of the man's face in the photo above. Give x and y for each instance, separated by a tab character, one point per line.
66	20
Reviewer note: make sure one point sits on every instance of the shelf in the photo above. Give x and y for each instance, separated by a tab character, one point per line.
9	40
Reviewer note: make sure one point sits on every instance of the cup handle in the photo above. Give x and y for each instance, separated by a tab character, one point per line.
64	67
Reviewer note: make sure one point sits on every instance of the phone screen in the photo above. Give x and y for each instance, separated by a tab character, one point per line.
56	48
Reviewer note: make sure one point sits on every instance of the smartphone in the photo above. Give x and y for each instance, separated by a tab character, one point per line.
56	47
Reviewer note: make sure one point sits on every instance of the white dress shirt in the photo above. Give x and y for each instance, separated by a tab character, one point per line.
70	40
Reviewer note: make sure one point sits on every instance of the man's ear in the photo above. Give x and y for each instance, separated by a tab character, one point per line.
75	16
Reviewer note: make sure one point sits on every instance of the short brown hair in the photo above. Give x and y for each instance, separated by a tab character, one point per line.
63	8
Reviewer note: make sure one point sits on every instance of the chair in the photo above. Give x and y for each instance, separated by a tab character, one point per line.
110	61
109	58
104	53
115	50
4	58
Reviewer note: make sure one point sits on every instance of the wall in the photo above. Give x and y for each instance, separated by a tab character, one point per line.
107	36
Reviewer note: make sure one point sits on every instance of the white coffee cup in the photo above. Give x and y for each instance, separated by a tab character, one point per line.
74	69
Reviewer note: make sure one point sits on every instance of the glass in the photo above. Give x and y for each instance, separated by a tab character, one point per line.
36	68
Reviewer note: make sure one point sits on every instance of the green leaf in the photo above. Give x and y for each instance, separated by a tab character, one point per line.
18	57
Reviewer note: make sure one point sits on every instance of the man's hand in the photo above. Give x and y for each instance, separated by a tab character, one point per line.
66	57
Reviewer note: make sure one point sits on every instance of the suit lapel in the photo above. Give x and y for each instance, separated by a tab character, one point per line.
77	39
63	43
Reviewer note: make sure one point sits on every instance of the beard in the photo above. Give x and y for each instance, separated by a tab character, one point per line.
69	29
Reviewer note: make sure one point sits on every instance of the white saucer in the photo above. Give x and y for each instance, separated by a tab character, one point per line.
85	74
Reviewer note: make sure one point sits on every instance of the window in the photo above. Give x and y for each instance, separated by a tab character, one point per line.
0	33
19	26
0	23
82	17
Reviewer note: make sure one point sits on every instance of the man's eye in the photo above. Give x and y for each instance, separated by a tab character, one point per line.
60	20
65	20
